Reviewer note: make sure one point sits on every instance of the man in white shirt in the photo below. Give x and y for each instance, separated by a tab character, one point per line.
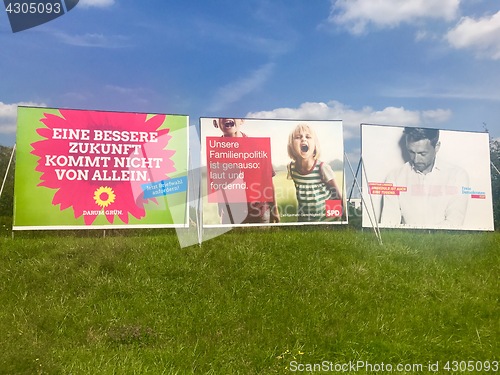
433	196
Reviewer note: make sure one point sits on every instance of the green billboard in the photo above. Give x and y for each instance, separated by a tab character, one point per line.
82	169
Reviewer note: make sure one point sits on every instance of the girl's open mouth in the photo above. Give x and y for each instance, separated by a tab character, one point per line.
228	123
304	148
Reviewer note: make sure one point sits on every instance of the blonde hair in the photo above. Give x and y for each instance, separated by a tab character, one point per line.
302	127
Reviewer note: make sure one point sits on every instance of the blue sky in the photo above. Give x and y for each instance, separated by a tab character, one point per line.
413	62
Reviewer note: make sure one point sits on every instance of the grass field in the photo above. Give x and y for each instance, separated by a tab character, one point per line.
248	302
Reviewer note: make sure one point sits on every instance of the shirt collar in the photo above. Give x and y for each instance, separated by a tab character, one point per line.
435	168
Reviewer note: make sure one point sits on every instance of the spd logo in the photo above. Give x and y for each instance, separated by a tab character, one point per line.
25	14
333	208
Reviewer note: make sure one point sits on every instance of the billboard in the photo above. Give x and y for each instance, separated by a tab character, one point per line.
81	169
426	178
271	172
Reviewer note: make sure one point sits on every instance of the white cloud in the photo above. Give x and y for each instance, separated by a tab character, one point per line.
453	91
224	33
96	3
137	95
356	15
436	115
122	90
8	115
351	118
481	35
93	40
234	91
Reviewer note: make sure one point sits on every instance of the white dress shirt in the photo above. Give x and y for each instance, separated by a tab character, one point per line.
432	200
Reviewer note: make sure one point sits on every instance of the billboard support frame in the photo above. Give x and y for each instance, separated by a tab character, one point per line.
375	227
8	169
355	176
495	168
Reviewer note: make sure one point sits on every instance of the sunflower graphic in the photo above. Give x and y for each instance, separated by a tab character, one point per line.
104	196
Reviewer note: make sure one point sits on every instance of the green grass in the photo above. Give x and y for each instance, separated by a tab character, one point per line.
247	302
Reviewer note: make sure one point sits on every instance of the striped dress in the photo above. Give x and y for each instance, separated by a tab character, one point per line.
311	192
